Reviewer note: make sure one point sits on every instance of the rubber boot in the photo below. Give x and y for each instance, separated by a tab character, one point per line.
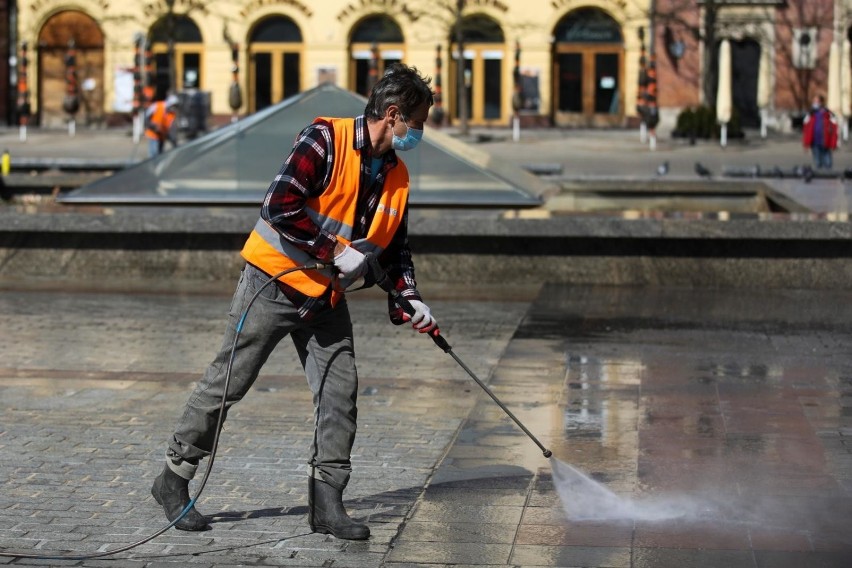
172	492
327	515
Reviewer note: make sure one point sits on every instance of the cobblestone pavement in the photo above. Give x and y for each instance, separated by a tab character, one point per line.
92	382
714	426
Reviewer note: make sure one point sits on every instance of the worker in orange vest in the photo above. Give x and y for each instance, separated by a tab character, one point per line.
341	194
160	124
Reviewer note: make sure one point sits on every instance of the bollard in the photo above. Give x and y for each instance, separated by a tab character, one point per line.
5	163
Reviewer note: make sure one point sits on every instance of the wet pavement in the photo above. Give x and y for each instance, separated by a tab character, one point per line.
714	427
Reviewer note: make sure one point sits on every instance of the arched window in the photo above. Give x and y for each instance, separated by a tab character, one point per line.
188	50
275	55
588	63
479	28
588	25
484	57
376	43
53	42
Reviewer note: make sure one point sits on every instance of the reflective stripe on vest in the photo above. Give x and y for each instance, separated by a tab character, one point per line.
334	211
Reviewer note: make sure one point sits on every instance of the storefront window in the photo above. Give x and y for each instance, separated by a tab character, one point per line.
484	57
188	50
53	48
377	42
275	54
588	62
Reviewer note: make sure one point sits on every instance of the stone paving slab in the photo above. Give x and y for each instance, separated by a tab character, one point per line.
717	419
91	382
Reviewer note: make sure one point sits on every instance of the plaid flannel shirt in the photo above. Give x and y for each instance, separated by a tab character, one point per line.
305	174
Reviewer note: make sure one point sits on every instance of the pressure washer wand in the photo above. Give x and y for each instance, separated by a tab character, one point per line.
380	278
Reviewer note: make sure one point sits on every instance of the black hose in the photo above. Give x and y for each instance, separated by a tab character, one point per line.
210	459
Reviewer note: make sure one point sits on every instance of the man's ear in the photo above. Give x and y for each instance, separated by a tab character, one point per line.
393	113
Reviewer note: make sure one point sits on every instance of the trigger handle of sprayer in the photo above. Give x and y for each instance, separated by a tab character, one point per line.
375	275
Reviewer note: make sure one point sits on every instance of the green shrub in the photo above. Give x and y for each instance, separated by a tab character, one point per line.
685	122
700	122
705	121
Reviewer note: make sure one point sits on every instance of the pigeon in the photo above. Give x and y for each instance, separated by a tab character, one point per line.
663	169
777	172
702	171
755	171
847	173
808	174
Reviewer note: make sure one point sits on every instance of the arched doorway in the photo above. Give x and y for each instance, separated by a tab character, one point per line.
53	42
379	33
745	72
188	50
275	55
588	68
484	54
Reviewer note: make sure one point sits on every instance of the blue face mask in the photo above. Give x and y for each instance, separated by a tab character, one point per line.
412	138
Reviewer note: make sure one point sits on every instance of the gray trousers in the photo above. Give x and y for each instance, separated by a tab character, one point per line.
325	348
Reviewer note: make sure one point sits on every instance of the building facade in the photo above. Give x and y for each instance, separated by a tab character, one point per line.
8	76
781	55
568	63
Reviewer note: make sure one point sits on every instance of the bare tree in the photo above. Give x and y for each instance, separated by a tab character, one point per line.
461	84
705	21
449	14
700	20
800	77
166	15
452	24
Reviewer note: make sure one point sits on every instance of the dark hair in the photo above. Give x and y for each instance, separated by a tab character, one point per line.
402	86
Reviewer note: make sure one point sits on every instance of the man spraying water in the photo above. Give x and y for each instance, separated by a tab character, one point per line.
341	194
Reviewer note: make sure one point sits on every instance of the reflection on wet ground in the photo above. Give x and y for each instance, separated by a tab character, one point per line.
707	429
725	412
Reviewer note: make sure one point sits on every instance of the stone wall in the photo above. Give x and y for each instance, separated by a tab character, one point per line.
451	247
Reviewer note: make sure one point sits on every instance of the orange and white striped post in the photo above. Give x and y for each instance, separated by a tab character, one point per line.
23	94
71	101
438	107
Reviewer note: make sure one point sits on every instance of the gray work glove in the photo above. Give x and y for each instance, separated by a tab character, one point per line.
351	263
422	320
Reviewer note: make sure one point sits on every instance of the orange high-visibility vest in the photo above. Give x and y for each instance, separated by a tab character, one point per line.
162	119
333	211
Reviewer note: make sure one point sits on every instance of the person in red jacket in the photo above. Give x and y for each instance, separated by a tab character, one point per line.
819	133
